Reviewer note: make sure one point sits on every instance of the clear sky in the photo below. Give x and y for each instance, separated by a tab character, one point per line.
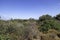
25	9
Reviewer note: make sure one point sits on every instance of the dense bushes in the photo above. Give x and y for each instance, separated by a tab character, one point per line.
18	29
14	30
47	22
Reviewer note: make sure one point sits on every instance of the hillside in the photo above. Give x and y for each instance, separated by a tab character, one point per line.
45	28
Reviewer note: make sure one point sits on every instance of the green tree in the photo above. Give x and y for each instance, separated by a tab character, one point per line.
47	22
57	17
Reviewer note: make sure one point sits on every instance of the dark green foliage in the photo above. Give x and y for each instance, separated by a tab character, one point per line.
47	22
45	17
57	17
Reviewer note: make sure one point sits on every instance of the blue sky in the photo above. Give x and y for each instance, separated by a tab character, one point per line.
24	9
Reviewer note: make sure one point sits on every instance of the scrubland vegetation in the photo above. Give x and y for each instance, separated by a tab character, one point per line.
45	28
